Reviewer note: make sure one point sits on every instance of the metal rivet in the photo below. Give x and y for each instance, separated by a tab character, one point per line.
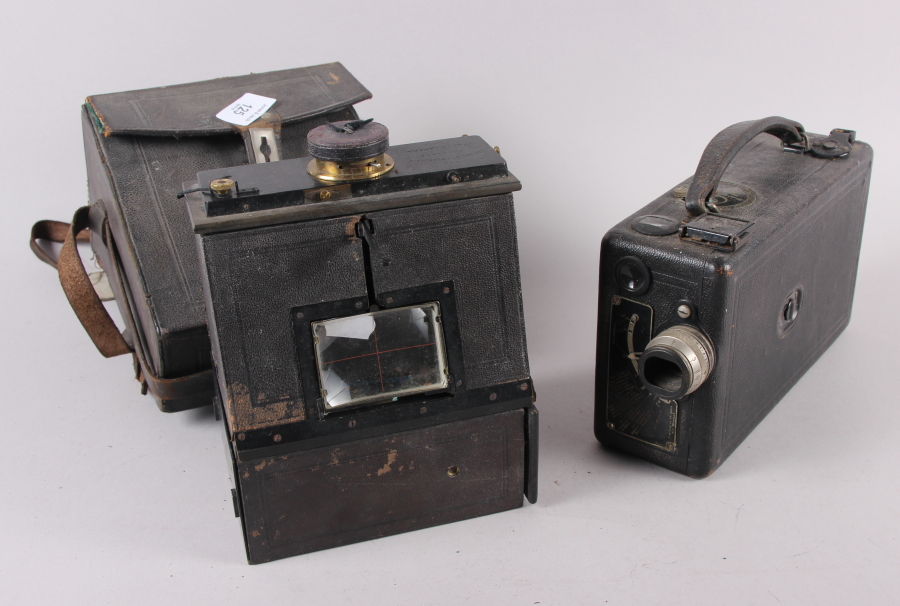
446	290
299	314
453	471
351	424
830	144
423	410
241	437
497	149
277	437
493	397
684	311
610	426
670	446
523	386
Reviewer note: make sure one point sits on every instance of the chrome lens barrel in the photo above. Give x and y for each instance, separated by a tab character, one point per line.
676	362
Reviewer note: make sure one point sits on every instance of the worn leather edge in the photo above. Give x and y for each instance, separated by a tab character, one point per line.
106	123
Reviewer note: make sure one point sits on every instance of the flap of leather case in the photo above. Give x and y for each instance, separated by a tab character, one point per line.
190	109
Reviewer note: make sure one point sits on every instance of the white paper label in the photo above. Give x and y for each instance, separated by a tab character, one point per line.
246	109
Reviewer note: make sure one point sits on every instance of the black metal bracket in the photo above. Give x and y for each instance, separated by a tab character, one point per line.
716	231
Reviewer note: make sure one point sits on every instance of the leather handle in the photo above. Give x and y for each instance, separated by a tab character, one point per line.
725	146
82	297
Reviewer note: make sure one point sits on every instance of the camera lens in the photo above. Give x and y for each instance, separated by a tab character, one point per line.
676	362
632	275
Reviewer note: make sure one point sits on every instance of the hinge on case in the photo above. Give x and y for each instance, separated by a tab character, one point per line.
716	231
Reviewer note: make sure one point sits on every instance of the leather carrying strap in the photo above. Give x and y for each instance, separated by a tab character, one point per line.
725	146
92	314
52	231
82	297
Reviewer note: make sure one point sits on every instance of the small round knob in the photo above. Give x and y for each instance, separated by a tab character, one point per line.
221	186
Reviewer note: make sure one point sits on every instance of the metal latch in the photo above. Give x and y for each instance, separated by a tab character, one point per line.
716	231
837	144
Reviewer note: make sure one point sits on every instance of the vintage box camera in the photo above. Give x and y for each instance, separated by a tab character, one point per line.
365	314
717	297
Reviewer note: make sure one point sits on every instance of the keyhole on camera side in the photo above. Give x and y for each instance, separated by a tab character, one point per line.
789	311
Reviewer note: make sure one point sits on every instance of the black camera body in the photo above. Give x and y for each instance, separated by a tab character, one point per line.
368	336
716	297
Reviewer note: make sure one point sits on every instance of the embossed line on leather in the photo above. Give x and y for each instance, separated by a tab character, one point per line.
359	490
190	109
473	243
255	278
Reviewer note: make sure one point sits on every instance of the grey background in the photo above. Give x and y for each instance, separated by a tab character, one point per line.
598	107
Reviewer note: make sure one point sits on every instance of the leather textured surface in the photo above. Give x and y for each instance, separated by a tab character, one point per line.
190	109
255	278
473	243
808	220
365	489
136	179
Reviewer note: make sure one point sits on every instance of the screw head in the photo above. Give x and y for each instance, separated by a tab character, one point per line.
351	424
524	386
446	290
492	397
617	300
299	314
241	437
423	410
497	149
390	300
670	446
684	311
359	305
221	186
277	437
830	144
